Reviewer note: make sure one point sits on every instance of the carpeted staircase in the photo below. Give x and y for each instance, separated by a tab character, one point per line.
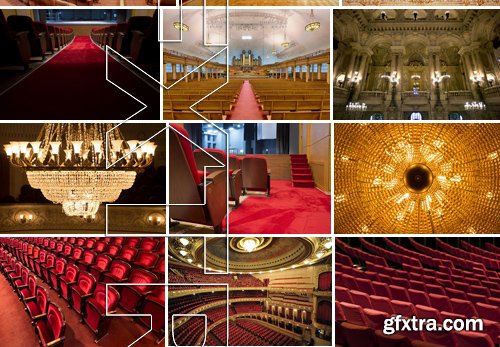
301	172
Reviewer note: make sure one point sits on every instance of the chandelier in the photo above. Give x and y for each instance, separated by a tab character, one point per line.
179	26
67	162
416	178
313	24
356	107
475	106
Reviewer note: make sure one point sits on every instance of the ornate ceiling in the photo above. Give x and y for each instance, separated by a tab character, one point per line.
417	178
268	253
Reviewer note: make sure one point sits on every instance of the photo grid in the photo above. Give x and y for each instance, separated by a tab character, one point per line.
178	173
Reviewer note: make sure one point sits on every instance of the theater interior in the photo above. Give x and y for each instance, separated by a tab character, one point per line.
417	178
278	63
53	179
278	179
416	64
64	48
427	277
53	291
276	292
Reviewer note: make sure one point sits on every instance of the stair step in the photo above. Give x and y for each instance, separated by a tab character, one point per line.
302	177
301	165
303	183
301	171
298	155
294	162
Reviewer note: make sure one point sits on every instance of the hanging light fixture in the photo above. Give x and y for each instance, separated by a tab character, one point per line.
313	24
179	26
67	162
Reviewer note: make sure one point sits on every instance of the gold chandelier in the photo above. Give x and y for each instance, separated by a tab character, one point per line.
313	24
67	162
421	178
181	26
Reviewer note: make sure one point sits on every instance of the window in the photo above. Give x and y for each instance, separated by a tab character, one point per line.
377	116
168	67
85	16
324	68
455	116
416	116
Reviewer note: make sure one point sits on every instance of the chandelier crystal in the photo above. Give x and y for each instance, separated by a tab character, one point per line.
474	106
313	24
179	26
67	162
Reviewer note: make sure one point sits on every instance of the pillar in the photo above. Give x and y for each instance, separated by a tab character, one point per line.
328	74
199	74
319	71
307	73
174	72
294	72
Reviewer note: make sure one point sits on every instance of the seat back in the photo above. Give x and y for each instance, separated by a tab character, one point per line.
144	277
113	249
71	272
490	312
406	309
381	303
100	246
42	298
473	339
51	258
427	312
128	253
100	296
60	265
119	269
463	307
102	261
32	284
146	259
24	275
234	162
132	241
88	256
148	244
77	253
203	160
254	173
86	282
89	243
55	321
354	314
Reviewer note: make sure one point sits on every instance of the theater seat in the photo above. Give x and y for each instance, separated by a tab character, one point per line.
118	272
52	327
131	296
82	290
95	310
473	339
37	40
204	161
154	305
146	260
255	174
187	189
37	306
357	335
15	48
88	258
58	271
29	291
486	311
391	340
68	280
102	264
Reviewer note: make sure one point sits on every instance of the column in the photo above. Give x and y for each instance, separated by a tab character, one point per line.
165	73
311	72
328	73
174	72
286	72
184	73
199	74
319	71
307	73
294	72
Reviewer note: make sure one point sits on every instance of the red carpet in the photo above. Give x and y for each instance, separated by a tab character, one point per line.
288	211
301	172
73	85
246	107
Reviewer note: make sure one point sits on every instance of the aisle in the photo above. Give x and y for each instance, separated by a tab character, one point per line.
72	85
246	106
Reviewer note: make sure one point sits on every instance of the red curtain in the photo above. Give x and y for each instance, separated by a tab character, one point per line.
325	281
324	313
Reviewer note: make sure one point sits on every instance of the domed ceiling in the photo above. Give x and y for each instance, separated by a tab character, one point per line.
417	178
251	254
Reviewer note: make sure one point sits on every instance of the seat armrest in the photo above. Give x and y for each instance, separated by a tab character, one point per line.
56	341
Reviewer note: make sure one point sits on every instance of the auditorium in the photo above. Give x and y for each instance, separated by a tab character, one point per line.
277	66
56	60
416	64
439	178
250	178
435	278
252	291
53	178
78	291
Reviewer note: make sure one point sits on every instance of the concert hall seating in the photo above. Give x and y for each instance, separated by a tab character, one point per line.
85	295
187	187
255	174
378	278
15	47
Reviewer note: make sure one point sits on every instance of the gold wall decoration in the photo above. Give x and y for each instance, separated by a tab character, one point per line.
417	178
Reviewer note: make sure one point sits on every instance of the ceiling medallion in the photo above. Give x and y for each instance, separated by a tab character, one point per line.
249	244
418	178
67	162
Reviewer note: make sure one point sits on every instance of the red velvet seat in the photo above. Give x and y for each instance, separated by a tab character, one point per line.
391	340
29	291
113	249
15	273
146	260
22	282
381	303
375	318
127	253
76	255
37	305
473	339
100	246
118	272
490	312
159	269
148	245
255	175
428	312
95	310
37	40
154	305
361	299
131	296
357	335
52	327
463	307
82	290
102	264
49	265
88	259
354	314
187	189
68	280
40	262
58	271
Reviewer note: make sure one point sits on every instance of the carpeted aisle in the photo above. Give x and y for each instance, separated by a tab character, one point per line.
72	85
289	210
246	106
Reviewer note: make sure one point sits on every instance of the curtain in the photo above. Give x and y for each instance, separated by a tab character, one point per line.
282	138
325	281
195	133
324	313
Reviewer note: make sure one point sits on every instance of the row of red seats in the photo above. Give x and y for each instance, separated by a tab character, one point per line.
265	333
22	39
76	279
197	276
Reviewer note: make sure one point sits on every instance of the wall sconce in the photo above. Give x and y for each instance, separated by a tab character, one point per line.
476	78
25	217
155	219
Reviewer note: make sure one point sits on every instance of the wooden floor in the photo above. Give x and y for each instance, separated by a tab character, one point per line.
264	3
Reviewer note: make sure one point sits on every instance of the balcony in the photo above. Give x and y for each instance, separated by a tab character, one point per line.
492	94
372	97
340	95
410	98
459	97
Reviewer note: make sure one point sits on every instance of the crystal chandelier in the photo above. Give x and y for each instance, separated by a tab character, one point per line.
475	106
179	26
67	162
356	107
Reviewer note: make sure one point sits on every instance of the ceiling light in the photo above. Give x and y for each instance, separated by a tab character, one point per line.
184	241
313	24
285	44
179	25
183	252
319	254
246	37
249	244
190	260
328	244
68	164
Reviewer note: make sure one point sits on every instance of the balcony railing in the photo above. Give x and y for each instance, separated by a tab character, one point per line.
492	91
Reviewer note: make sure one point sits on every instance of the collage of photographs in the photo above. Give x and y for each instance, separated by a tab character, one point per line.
179	173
